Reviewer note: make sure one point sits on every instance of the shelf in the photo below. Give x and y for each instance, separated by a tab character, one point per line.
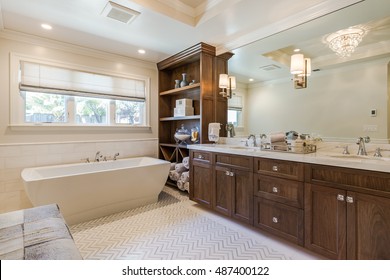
180	90
195	117
173	145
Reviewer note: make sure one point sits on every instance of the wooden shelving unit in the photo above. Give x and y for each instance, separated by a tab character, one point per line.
201	64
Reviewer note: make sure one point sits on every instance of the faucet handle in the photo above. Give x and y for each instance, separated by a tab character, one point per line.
346	151
378	152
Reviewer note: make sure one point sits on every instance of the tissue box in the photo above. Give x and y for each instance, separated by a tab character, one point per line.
185	102
183	111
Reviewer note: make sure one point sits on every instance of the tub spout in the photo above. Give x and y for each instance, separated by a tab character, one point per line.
115	156
98	157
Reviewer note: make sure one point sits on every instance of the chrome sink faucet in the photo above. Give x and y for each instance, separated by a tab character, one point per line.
362	148
254	139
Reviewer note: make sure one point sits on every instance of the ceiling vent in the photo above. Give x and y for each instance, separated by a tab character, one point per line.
119	13
270	67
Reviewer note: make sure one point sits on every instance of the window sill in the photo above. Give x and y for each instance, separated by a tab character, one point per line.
63	127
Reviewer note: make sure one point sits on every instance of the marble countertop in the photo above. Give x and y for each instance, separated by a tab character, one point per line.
322	156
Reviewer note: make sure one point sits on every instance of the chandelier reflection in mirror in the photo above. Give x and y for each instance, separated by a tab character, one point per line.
227	84
301	69
344	42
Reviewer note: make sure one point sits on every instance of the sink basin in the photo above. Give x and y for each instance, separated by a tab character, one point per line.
359	157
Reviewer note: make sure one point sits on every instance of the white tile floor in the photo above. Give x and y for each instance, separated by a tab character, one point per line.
176	228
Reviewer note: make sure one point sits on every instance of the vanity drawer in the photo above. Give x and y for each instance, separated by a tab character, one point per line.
279	219
280	168
235	161
201	156
281	190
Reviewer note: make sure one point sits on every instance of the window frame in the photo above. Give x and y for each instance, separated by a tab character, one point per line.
17	103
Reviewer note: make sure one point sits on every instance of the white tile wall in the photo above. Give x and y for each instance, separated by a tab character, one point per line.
14	158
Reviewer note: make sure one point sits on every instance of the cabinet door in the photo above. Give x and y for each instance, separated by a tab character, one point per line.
201	183
242	195
223	190
368	231
325	221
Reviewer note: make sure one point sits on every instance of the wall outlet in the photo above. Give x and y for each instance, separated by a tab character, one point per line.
370	127
373	112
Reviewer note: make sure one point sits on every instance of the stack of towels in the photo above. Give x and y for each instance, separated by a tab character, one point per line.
180	174
278	141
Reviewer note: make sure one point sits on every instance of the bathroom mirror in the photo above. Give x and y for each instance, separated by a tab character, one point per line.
345	97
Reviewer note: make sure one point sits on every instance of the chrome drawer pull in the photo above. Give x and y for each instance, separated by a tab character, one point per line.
275	168
200	157
275	220
340	197
349	199
275	189
227	173
231	174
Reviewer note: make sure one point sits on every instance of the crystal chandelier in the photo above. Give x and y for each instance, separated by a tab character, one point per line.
344	42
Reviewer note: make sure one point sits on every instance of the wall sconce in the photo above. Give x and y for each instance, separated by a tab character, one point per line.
227	83
301	69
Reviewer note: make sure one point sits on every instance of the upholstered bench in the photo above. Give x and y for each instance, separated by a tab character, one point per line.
38	233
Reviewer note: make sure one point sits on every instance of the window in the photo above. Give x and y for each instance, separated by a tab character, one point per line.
44	108
55	94
235	110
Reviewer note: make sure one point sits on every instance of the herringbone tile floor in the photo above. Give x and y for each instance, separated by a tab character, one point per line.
176	228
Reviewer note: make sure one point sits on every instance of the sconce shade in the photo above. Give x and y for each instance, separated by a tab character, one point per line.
227	82
232	82
223	81
297	64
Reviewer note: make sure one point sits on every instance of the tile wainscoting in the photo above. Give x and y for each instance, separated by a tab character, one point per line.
14	158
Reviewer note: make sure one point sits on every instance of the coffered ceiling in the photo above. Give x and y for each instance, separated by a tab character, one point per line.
165	27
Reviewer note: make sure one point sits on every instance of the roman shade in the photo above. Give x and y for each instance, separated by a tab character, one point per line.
38	77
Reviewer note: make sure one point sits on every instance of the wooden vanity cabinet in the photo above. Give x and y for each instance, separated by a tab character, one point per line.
278	201
233	186
347	213
201	178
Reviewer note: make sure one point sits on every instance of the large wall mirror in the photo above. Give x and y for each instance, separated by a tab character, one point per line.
344	98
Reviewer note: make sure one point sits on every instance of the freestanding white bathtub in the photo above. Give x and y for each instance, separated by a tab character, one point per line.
85	191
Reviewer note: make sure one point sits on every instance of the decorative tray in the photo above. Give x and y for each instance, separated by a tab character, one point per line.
302	149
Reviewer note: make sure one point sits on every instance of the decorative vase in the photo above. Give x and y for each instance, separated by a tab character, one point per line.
193	82
184	82
177	83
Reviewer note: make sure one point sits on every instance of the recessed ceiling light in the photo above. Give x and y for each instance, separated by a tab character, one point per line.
297	50
46	26
141	51
251	80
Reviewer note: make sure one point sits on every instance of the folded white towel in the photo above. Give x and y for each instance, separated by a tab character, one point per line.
186	162
172	166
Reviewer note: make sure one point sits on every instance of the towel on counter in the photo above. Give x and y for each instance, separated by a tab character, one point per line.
186	162
172	166
277	137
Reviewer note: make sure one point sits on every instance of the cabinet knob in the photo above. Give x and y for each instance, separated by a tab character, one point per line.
231	174
340	197
227	173
200	157
275	220
275	168
275	190
349	199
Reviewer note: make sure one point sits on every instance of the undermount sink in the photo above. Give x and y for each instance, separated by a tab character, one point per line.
359	157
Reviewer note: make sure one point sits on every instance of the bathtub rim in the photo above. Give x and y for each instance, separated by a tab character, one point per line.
30	174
